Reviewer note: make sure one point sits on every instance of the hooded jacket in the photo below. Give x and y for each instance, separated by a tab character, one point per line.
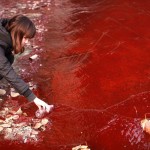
6	59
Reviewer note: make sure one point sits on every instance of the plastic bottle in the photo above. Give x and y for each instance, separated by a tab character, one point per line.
41	112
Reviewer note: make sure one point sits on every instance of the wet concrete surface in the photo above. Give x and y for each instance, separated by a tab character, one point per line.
93	65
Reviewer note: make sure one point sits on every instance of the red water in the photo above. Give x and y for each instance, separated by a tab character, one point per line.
93	66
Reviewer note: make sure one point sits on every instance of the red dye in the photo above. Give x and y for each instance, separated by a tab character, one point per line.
94	67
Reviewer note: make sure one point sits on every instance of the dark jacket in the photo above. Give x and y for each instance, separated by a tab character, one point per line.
6	59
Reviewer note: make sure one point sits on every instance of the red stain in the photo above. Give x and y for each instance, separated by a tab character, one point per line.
95	69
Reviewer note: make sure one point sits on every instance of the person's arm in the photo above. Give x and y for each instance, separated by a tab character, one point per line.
7	71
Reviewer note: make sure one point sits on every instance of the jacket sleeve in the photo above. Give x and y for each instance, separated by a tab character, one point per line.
7	71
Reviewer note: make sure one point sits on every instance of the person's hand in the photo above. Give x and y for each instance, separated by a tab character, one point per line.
42	105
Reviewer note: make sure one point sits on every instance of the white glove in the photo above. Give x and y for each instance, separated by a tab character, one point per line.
42	105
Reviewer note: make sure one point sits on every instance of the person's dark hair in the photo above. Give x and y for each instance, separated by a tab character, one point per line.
20	26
